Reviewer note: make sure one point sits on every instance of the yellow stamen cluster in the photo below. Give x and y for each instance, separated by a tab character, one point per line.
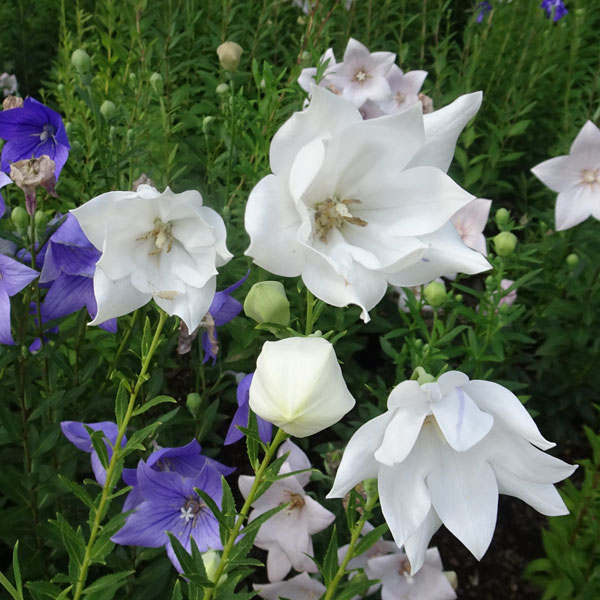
332	214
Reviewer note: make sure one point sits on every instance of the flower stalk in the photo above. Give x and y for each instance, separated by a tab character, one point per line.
280	436
117	450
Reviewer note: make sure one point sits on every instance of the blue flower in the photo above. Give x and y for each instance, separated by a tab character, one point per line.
169	503
4	180
78	435
33	130
14	276
554	6
484	8
241	416
69	266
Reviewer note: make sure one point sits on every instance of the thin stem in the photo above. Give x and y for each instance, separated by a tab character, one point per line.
258	480
356	531
108	485
310	302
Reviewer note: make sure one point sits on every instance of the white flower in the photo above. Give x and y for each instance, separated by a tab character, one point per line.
429	583
287	535
576	178
157	246
351	208
442	453
404	89
300	587
307	76
470	222
298	386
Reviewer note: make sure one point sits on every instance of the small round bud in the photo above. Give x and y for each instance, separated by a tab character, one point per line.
458	297
419	344
81	60
108	110
505	243
504	309
194	404
421	376
229	55
572	259
20	219
502	217
222	89
435	294
60	88
40	221
206	123
156	81
266	302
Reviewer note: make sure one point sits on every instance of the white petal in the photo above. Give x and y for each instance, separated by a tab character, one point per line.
214	220
504	405
115	298
576	205
586	146
560	174
464	494
296	460
416	545
358	462
326	114
446	254
305	167
451	379
460	420
272	221
278	566
442	128
316	517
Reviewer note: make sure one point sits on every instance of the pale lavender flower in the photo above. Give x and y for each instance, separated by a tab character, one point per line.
8	84
240	418
404	88
470	221
4	180
509	298
79	436
300	587
14	276
307	76
170	504
555	9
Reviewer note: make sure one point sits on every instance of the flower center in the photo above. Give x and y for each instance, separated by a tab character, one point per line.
296	501
162	234
360	76
332	214
404	568
47	131
190	509
400	98
590	176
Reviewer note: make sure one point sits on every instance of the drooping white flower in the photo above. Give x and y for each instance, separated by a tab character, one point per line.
298	386
287	535
351	209
429	583
470	222
442	453
300	587
161	246
576	178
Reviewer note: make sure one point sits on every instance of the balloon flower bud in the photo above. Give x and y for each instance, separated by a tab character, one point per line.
266	302
194	403
156	81
108	110
222	89
298	386
505	243
20	218
572	259
502	217
229	55
40	221
81	60
435	294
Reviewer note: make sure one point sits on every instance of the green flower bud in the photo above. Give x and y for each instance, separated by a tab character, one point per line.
156	81
418	344
490	282
60	88
504	309
572	260
229	55
458	297
502	217
194	404
130	136
20	219
81	60
108	110
266	302
421	376
206	124
40	221
505	243
222	89
435	294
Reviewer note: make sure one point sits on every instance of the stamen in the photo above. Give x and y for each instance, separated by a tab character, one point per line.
163	236
360	76
333	213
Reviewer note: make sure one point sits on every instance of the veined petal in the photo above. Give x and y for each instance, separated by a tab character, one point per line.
272	221
442	128
446	254
147	525
358	463
15	275
464	494
560	174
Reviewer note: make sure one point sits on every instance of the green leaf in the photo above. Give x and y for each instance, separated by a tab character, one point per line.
370	538
154	402
177	595
17	569
47	440
228	510
97	438
190	570
121	402
146	338
43	588
79	491
330	562
8	586
107	581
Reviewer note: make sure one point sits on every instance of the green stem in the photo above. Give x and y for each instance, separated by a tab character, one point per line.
356	531
108	485
233	535
310	302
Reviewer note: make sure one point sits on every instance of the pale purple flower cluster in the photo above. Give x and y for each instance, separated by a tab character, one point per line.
371	81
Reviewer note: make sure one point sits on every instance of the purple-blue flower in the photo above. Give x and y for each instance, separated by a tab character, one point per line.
241	416
223	309
78	435
33	130
14	276
69	265
554	6
4	180
186	460
484	8
169	503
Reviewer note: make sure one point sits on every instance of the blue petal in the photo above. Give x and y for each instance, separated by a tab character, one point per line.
5	332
